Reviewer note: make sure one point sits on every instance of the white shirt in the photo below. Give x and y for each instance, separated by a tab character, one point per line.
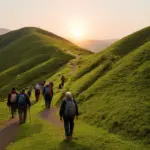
38	87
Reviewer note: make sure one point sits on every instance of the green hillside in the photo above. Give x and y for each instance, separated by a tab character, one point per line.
111	88
114	93
31	54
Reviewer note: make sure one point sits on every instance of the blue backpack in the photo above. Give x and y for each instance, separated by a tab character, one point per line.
21	100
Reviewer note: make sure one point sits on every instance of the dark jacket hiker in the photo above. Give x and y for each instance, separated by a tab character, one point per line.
68	111
48	95
12	101
23	102
62	80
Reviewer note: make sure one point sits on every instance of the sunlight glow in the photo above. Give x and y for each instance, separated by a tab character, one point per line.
77	31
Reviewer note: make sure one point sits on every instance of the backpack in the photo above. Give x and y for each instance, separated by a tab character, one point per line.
70	109
13	98
21	100
48	91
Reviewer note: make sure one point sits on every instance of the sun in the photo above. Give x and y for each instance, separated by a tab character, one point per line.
77	32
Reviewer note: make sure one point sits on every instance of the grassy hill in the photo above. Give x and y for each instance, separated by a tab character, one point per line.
112	90
114	93
115	84
31	54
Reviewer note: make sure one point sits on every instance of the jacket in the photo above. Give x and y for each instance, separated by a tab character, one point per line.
62	108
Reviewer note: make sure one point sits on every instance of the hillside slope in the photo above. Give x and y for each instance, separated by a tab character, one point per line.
112	89
31	54
115	84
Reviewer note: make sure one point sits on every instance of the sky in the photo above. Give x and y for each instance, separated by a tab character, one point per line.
90	19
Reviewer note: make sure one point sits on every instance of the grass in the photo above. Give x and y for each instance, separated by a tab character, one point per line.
114	90
42	134
4	114
111	88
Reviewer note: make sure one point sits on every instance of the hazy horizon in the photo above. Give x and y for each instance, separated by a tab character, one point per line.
86	19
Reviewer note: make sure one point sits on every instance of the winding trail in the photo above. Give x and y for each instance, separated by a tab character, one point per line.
8	133
73	63
50	115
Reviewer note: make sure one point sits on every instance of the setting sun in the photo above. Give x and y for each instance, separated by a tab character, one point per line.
77	31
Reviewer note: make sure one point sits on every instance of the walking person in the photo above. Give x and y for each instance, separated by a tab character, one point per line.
62	80
68	112
29	91
48	94
23	103
37	91
12	101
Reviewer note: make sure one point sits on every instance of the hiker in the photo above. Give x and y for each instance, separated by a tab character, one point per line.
68	112
60	86
23	103
48	94
43	83
12	101
29	91
62	80
37	91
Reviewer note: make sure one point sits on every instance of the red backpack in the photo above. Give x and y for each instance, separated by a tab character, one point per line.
13	97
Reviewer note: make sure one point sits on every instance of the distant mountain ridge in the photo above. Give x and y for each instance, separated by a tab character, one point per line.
96	45
3	31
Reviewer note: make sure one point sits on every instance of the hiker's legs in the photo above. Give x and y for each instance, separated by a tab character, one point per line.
24	115
37	97
66	126
46	101
71	121
49	102
20	112
13	110
37	94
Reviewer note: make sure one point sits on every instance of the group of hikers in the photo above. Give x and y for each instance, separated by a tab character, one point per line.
21	101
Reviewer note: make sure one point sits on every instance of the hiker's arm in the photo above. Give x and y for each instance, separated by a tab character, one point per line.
62	108
76	105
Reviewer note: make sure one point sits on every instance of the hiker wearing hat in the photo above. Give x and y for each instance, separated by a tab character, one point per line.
23	103
68	112
12	101
48	94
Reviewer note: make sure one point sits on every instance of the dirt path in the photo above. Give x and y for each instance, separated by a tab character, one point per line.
50	115
74	63
7	134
